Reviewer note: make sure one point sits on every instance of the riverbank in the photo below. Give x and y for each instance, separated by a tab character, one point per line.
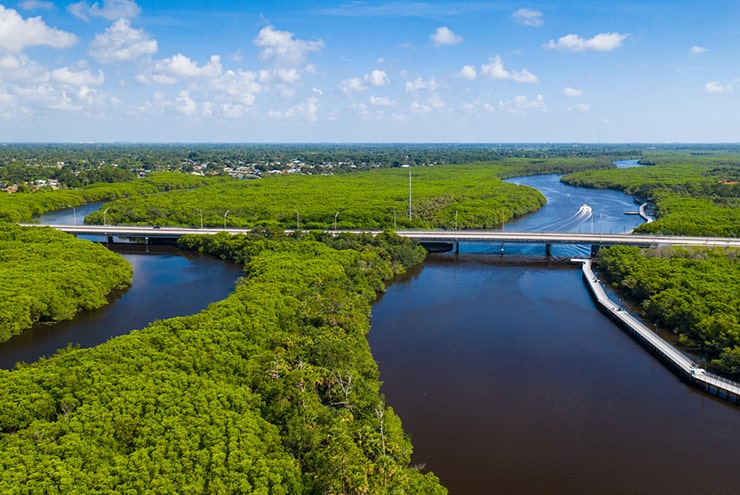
684	367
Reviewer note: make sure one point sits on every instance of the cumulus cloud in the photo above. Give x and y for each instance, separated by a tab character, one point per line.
444	36
716	87
356	85
380	101
352	86
495	70
19	68
377	78
17	33
111	10
520	105
468	72
604	42
306	111
433	103
72	77
697	50
420	86
281	48
181	67
121	44
528	17
568	91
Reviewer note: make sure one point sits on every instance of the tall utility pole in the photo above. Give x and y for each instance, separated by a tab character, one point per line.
409	194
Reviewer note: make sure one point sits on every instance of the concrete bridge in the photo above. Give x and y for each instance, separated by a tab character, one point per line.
428	236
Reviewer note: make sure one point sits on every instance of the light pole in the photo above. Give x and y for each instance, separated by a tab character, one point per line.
227	212
395	225
409	194
201	217
74	212
455	220
297	221
105	218
335	222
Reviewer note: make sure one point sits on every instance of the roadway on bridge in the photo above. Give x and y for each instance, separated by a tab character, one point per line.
429	235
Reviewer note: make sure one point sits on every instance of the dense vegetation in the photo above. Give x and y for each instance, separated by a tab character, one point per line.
469	196
693	292
272	390
81	164
21	207
694	194
49	276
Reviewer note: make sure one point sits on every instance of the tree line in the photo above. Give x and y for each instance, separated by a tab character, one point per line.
49	276
694	292
272	390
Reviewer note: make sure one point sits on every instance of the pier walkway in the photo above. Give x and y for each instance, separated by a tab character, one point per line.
683	366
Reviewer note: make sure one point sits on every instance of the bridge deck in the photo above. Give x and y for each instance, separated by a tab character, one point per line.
595	239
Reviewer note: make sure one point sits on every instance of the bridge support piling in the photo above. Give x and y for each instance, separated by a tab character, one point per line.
548	250
457	246
109	239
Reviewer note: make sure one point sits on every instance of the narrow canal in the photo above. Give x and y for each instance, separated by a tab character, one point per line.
509	380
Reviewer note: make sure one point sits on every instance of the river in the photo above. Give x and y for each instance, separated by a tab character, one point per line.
167	282
509	380
504	373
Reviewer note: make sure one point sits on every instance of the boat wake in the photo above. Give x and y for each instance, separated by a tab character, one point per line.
583	214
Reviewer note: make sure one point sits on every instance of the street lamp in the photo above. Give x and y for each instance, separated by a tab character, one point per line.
105	218
201	217
335	222
395	225
297	221
227	212
74	212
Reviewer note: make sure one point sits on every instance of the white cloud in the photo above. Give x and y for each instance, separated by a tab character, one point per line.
603	42
19	68
496	70
528	17
181	67
17	33
568	91
111	9
377	78
444	36
697	50
468	72
520	105
185	104
84	77
239	86
433	103
307	111
353	86
121	44
281	48
419	86
356	85
716	87
380	101
36	5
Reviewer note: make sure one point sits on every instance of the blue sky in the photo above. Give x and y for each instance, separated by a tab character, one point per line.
370	71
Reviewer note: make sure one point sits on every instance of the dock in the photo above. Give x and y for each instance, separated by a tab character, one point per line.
683	366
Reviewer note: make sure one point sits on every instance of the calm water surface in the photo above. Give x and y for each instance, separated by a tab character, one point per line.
167	282
510	381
